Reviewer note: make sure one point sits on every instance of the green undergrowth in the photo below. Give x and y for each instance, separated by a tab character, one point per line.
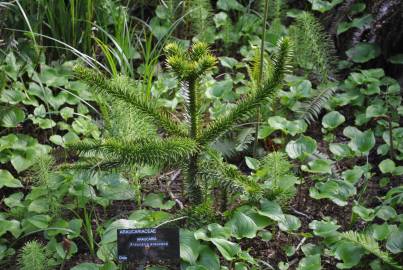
248	135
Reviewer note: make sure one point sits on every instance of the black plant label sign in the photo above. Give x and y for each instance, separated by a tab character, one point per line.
148	245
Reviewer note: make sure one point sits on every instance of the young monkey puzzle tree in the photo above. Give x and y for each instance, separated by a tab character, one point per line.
184	143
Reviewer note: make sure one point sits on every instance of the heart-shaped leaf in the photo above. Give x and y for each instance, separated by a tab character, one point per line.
332	120
387	166
157	201
189	246
301	148
364	52
11	117
8	180
395	242
242	226
361	142
318	166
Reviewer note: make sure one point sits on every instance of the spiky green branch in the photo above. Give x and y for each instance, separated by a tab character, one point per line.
246	107
121	89
143	151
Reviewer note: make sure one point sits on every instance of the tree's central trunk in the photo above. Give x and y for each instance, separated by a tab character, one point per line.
194	191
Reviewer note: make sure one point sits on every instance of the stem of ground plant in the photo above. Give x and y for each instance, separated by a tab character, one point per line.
259	80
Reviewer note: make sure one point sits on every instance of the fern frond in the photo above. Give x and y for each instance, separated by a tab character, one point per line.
276	172
275	165
234	142
200	14
42	169
313	47
228	177
309	111
253	68
276	8
247	106
143	151
127	122
121	89
371	246
216	179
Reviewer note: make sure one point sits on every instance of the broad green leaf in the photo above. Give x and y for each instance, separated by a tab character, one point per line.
114	187
349	253
353	176
364	52
324	5
11	117
375	111
288	127
228	62
51	77
21	163
40	111
395	242
220	19
387	166
311	249
260	220
12	68
149	218
70	138
265	235
14	200
289	250
252	163
340	150
310	263
271	209
357	23
337	191
358	8
157	201
56	139
242	226
43	123
361	142
106	251
324	228
39	206
241	266
289	223
189	246
218	231
228	249
332	120
67	113
385	212
318	166
209	259
220	89
367	214
229	5
396	59
380	231
301	148
110	233
12	226
8	180
39	221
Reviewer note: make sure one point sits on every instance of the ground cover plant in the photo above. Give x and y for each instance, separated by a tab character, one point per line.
268	131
